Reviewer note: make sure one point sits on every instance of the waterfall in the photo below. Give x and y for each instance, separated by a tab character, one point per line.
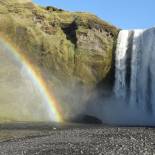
135	69
132	102
121	55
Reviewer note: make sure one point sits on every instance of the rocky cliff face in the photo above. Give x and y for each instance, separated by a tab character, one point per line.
71	48
75	45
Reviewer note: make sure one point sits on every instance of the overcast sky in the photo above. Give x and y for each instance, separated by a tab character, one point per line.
125	14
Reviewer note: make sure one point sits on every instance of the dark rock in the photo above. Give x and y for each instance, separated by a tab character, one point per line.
86	119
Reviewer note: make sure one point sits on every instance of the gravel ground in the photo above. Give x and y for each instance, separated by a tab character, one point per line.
75	140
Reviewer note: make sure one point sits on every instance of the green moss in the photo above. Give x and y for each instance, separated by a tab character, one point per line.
54	40
73	50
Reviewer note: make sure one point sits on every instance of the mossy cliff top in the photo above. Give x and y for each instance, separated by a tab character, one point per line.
69	45
15	1
73	50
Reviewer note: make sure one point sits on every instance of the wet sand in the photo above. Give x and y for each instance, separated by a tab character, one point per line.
53	139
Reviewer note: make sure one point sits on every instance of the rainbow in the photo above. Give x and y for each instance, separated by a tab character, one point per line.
34	74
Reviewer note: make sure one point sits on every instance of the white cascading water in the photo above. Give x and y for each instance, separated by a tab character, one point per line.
121	55
135	73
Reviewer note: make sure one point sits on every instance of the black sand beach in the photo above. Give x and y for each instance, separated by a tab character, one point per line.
46	139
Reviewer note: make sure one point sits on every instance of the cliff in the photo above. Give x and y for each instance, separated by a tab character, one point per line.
71	48
70	45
